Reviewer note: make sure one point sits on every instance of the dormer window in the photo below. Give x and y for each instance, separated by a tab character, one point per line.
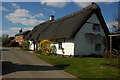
96	27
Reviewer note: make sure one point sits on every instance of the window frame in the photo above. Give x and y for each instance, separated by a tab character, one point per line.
59	45
96	28
98	47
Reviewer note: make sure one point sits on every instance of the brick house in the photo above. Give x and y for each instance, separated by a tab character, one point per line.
20	36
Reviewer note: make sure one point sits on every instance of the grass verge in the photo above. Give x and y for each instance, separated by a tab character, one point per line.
82	67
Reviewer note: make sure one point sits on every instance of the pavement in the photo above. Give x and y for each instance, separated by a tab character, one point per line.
17	63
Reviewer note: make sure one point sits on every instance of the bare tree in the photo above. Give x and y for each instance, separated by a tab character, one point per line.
117	25
117	19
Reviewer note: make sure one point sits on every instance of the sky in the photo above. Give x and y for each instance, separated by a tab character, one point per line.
26	15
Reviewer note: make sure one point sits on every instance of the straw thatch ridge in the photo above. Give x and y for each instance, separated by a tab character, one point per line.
67	26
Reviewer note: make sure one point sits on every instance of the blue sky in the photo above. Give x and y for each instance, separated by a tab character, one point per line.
25	15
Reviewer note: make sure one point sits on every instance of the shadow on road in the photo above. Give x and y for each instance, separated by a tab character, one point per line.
9	67
4	49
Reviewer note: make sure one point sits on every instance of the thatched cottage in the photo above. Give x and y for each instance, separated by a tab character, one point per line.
81	33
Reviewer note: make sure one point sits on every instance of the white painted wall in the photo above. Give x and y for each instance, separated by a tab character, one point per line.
31	47
82	47
68	48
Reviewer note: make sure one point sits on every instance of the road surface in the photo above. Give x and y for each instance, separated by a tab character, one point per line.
17	63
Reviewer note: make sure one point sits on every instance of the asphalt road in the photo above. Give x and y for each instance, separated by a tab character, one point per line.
17	63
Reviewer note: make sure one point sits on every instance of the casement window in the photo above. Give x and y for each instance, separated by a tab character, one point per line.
96	27
97	47
59	45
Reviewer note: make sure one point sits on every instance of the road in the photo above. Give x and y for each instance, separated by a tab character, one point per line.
17	63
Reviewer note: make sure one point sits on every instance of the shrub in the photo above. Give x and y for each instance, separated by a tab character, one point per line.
112	59
25	45
46	48
14	44
5	42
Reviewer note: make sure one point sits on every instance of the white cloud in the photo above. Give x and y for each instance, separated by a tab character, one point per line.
39	15
2	8
24	17
54	4
48	10
3	31
83	4
15	5
27	28
110	26
80	3
14	30
95	0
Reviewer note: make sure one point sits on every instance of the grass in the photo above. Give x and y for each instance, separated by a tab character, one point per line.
82	67
0	44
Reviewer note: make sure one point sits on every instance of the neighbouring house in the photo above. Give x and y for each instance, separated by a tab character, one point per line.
81	33
20	37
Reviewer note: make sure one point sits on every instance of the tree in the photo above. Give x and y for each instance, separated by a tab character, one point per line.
14	44
25	45
117	26
5	40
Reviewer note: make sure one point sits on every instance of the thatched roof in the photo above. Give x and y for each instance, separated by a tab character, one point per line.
67	26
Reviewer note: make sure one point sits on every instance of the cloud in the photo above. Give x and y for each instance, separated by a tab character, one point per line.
48	10
80	3
54	4
95	0
24	17
110	26
15	5
14	30
2	8
39	15
3	31
83	4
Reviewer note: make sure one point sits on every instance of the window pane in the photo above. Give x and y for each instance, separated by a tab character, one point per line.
59	45
96	27
97	47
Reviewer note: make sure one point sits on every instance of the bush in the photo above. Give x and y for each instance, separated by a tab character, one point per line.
46	48
112	59
5	42
14	44
25	45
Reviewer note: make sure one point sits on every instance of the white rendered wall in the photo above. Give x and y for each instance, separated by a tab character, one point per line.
82	47
31	47
68	48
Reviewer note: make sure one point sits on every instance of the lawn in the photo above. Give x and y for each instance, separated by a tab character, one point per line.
0	44
82	67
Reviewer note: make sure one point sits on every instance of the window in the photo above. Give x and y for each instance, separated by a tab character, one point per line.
97	47
59	45
96	27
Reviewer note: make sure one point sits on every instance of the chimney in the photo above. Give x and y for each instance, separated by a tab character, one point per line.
20	31
92	3
51	18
